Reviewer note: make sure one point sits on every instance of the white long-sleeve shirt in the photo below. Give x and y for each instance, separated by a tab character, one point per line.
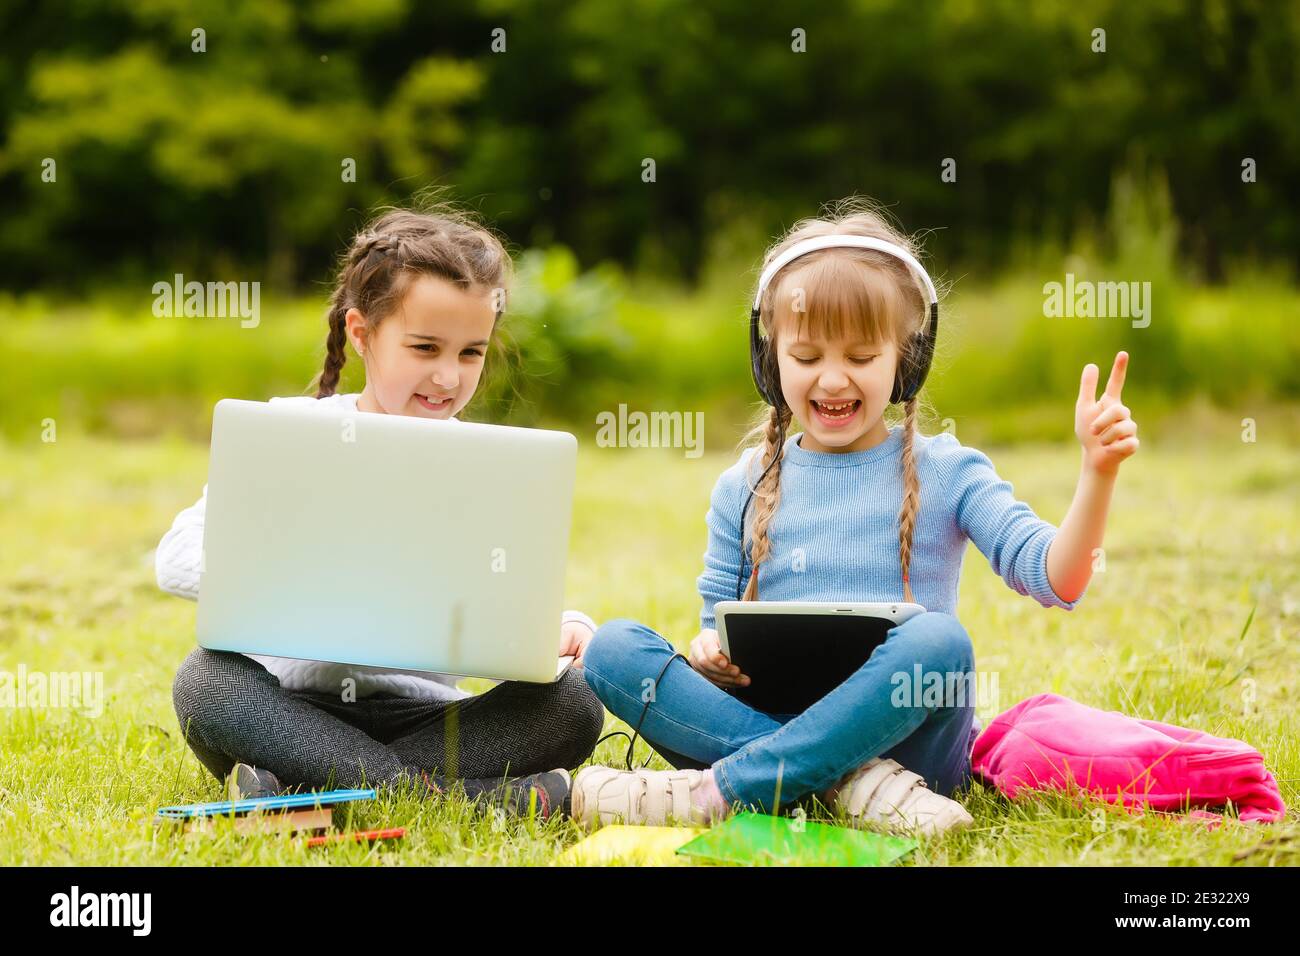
177	563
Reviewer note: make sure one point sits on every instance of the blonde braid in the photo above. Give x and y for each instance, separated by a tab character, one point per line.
911	497
768	493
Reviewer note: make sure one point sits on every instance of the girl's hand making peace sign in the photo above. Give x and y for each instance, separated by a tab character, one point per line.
1103	425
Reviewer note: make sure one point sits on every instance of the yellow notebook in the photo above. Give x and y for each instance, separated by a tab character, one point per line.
630	846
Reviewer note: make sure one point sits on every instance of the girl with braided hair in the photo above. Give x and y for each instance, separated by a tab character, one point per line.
418	297
848	509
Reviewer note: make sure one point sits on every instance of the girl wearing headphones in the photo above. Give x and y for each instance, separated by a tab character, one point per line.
847	509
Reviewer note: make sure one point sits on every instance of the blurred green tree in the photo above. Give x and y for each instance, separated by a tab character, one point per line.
543	113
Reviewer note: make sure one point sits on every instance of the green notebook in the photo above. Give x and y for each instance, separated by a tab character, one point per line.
756	838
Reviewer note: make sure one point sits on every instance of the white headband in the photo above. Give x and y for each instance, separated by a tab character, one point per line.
838	242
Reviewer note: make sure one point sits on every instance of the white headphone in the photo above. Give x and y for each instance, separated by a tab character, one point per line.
817	243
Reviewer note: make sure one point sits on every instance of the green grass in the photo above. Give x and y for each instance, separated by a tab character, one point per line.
1199	537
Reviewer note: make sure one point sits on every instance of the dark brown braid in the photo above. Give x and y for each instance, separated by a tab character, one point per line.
335	351
376	270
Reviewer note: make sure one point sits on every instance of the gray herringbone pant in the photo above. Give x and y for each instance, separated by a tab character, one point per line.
232	710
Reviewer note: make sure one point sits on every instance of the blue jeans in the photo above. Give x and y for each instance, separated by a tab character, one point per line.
765	760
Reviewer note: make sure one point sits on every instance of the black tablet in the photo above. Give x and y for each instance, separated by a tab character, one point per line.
796	652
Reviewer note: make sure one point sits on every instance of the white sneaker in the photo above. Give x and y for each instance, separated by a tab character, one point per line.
885	792
602	795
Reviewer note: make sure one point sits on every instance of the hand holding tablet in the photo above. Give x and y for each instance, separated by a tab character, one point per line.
706	657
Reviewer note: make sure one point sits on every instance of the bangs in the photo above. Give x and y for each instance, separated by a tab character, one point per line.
842	297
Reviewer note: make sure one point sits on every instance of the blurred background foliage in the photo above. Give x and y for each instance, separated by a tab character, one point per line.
226	165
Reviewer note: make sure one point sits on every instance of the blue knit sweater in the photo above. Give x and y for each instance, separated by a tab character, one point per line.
834	536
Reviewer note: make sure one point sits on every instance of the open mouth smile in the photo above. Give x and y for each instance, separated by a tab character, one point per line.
835	414
434	406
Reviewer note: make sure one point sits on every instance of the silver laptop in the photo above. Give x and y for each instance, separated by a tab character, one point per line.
386	540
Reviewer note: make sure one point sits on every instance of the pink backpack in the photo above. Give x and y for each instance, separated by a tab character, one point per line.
1049	741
